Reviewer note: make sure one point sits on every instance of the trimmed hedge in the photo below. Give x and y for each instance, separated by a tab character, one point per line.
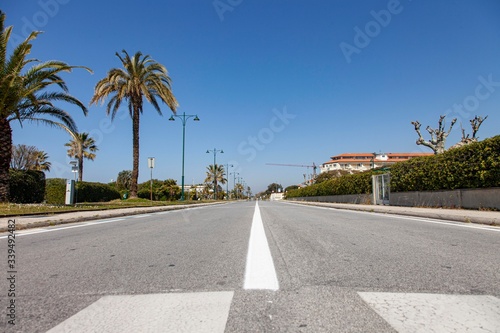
95	192
359	183
476	165
26	186
55	191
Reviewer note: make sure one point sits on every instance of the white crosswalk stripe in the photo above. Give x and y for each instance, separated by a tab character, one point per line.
205	312
412	313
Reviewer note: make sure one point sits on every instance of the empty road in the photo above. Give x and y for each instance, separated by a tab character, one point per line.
253	267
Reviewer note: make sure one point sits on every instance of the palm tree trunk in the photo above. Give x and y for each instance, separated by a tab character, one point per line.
5	156
135	145
80	168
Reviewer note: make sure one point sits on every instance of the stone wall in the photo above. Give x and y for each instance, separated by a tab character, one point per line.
366	199
488	198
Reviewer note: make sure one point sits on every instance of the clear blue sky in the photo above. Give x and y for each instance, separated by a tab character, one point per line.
291	82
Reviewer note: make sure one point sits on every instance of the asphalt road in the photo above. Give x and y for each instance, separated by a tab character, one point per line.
187	271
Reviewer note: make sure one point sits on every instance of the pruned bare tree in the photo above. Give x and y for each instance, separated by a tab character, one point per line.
438	136
475	124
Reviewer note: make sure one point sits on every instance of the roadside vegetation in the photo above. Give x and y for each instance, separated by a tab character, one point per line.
475	165
13	209
31	91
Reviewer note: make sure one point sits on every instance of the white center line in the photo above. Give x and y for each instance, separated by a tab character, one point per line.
260	272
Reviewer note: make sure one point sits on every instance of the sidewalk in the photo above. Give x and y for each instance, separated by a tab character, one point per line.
36	221
460	215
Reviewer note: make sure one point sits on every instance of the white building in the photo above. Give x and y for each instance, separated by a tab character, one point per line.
357	162
276	196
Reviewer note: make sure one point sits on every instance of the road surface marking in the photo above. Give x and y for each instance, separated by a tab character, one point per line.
83	224
182	312
259	272
408	313
140	216
413	218
434	221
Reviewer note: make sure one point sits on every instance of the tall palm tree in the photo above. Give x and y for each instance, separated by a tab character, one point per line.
215	174
24	95
82	146
140	78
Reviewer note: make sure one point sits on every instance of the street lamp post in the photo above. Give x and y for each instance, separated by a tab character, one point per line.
240	179
215	151
184	117
227	180
234	183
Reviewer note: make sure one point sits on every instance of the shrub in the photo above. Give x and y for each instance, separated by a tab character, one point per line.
55	191
145	193
359	183
95	192
26	186
476	165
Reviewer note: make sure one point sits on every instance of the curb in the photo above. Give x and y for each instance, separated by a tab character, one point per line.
466	218
58	219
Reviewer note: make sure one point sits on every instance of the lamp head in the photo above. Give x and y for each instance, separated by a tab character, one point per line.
196	118
171	118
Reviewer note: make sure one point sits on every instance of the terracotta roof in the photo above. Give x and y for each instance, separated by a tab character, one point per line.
367	158
409	154
370	155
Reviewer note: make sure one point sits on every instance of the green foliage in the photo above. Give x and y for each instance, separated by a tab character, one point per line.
359	183
26	186
55	191
124	180
324	176
95	192
476	165
162	190
169	190
291	187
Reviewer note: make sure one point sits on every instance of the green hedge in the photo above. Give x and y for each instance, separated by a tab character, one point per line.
475	165
26	186
359	183
95	192
55	191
